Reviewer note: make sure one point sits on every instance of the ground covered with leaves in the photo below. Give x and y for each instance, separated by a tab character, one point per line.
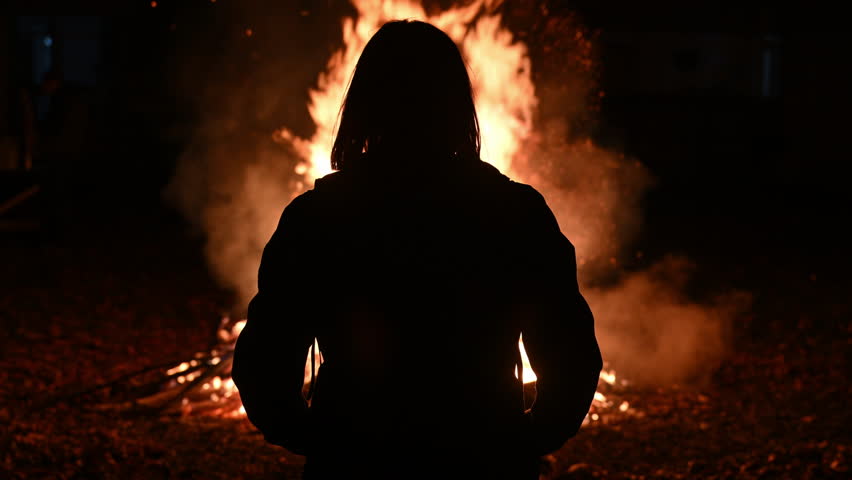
90	303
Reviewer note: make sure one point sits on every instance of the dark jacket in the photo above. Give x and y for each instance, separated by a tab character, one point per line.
417	286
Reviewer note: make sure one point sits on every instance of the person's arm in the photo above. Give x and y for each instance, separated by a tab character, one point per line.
269	358
559	333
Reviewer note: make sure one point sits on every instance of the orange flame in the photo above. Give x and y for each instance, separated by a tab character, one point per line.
500	68
527	373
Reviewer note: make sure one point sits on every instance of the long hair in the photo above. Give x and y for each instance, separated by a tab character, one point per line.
410	94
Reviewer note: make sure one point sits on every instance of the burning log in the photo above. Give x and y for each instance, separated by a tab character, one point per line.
194	382
200	384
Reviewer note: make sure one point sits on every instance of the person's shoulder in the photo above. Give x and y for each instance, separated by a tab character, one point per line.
517	194
302	206
330	182
326	192
519	191
323	186
301	202
525	193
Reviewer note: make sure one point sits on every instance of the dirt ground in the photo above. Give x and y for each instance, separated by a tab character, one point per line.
100	300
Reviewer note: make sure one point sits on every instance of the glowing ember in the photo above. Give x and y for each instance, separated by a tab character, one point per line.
180	368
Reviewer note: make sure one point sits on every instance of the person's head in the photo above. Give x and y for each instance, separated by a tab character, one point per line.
410	95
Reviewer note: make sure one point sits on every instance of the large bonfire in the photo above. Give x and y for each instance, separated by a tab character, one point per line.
506	103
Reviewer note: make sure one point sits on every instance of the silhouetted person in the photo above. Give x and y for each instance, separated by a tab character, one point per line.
417	266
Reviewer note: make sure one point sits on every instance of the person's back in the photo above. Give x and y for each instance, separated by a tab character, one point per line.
421	320
417	271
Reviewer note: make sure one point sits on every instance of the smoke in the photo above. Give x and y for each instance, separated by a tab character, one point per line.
594	193
649	329
245	68
234	190
654	333
236	176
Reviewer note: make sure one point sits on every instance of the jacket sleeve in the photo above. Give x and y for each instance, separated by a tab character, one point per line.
269	357
558	332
